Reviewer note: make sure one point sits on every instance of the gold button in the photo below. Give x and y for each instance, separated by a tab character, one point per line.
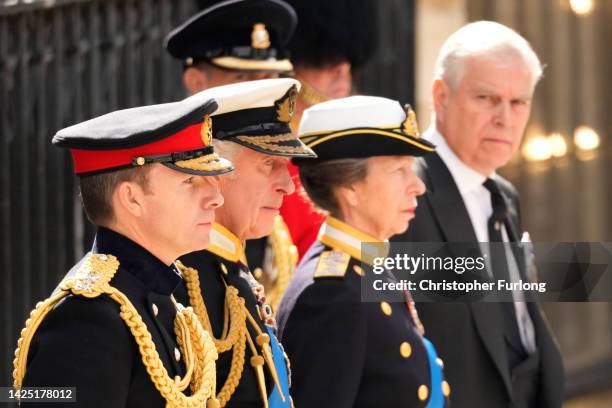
358	270
258	273
224	268
440	362
155	309
423	392
445	389
405	349
386	308
140	161
177	355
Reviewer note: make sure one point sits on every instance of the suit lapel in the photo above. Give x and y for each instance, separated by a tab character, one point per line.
449	209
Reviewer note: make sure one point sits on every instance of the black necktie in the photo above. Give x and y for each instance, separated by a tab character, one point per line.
499	265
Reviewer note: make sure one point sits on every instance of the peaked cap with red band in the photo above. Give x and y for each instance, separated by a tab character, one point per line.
178	135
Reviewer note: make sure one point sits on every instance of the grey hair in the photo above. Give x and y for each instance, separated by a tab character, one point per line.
483	39
228	150
320	180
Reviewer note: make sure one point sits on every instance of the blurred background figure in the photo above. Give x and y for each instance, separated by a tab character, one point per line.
233	41
332	42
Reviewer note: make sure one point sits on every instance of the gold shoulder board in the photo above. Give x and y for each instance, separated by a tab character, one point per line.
93	277
332	264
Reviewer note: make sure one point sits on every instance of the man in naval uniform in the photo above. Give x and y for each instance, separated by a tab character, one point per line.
251	127
234	41
112	329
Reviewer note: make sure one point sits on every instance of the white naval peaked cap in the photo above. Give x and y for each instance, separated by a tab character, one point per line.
360	127
351	112
261	93
257	115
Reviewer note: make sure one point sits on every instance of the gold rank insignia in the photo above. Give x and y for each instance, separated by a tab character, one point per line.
285	106
332	264
206	131
260	38
409	125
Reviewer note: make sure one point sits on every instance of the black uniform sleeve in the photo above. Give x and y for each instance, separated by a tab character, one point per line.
325	340
82	343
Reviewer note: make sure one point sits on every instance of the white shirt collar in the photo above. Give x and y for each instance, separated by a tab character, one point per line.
466	178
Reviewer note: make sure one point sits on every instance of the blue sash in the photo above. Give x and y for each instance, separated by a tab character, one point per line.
436	398
275	400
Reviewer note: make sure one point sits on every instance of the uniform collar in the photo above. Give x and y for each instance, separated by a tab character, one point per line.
225	244
341	236
153	273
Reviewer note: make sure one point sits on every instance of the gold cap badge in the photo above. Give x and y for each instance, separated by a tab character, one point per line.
260	38
285	106
410	126
206	131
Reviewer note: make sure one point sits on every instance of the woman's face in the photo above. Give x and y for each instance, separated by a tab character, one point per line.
386	200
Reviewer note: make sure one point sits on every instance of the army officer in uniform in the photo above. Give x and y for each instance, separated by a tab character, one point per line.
252	127
112	329
361	354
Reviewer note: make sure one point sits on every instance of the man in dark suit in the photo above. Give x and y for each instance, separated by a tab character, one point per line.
495	354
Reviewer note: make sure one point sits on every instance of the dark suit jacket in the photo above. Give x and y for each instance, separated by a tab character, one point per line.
84	343
468	336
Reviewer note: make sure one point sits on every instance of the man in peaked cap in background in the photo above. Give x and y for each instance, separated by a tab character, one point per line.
112	329
252	126
235	41
333	39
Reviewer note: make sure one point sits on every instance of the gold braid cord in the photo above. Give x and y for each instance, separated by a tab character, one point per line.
234	340
92	280
310	95
285	260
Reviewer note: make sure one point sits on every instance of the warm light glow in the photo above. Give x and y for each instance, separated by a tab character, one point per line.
581	7
585	138
558	145
537	148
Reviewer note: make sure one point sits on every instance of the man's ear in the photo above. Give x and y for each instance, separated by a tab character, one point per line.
440	93
128	198
194	80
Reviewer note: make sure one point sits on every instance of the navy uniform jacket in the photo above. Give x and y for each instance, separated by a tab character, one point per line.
348	353
83	343
213	269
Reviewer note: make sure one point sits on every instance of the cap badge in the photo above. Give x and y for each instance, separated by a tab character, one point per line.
285	106
260	38
410	126
206	131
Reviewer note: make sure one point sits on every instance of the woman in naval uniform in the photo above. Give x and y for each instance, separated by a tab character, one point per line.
346	352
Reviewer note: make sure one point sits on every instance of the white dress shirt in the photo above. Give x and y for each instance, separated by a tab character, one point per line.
477	200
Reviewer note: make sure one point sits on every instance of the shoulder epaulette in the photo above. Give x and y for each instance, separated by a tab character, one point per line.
93	277
332	264
90	279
